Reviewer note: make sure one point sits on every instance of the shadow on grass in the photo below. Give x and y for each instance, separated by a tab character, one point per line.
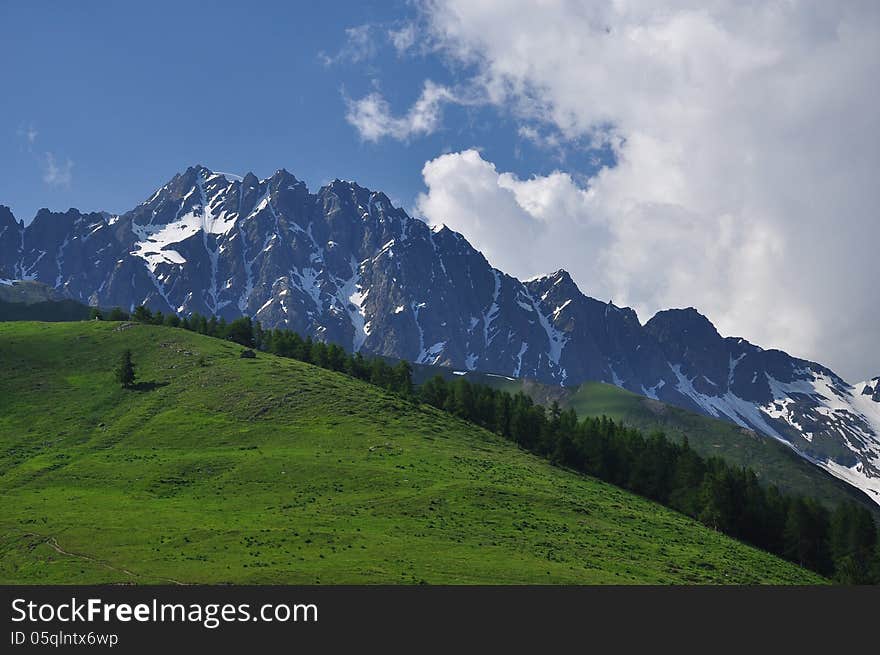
147	386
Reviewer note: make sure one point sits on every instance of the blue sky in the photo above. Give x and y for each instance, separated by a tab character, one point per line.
106	101
668	153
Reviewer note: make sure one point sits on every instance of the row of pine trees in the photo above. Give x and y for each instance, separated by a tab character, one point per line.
842	544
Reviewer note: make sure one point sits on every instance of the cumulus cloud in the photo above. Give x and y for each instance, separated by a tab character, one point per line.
746	141
374	120
57	174
520	225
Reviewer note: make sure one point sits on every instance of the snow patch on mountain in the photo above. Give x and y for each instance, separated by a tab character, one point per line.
812	398
651	392
780	410
155	241
522	351
731	367
856	476
309	282
727	406
492	312
865	405
352	297
556	338
431	355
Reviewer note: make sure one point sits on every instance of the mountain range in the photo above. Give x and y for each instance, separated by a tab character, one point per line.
345	265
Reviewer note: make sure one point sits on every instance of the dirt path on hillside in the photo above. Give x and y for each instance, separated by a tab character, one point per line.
52	542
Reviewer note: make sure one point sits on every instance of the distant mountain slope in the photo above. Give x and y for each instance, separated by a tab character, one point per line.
774	462
223	469
27	291
50	310
346	266
777	462
32	301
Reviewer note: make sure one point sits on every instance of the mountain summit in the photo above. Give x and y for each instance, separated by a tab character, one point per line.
344	265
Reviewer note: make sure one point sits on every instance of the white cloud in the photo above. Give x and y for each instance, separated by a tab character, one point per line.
360	45
747	143
404	38
55	174
29	134
529	227
520	225
373	119
547	140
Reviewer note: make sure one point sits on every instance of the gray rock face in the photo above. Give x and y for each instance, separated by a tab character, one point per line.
345	266
11	234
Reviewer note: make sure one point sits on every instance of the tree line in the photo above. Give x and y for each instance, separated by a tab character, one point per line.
841	544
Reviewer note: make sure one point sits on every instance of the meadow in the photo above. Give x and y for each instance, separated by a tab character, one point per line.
219	469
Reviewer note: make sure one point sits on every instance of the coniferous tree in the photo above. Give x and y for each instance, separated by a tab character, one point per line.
142	314
125	374
403	378
852	544
241	331
336	357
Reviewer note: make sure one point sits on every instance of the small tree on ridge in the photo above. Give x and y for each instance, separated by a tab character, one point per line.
125	371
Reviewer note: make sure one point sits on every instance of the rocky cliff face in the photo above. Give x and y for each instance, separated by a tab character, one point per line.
11	234
346	266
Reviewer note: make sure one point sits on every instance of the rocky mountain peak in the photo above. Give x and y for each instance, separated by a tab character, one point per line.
672	325
11	235
283	176
871	388
6	217
558	284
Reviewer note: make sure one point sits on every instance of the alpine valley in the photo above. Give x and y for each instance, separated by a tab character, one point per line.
344	265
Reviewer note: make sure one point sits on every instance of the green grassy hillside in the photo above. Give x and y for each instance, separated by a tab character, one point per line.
222	469
773	462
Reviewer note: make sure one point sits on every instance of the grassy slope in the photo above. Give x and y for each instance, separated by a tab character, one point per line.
270	470
772	461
